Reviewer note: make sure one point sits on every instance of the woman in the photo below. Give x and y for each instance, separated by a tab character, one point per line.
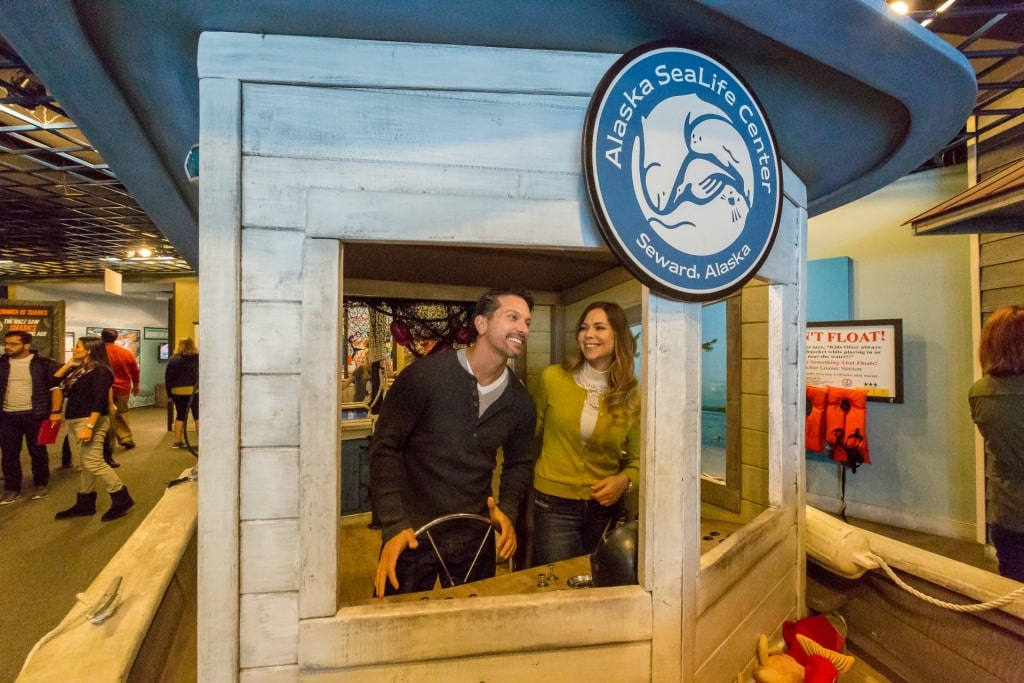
86	380
181	377
997	408
588	416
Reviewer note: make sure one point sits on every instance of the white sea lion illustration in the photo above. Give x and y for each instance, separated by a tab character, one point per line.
663	147
702	180
703	229
695	201
717	137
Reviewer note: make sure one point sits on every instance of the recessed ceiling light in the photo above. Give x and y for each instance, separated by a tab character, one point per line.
900	7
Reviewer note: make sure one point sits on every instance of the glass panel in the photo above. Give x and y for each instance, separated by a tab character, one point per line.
636	331
714	391
721	379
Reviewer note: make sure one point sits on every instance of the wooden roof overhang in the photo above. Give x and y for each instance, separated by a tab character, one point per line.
996	204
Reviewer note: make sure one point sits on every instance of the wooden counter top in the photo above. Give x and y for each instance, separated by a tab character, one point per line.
521	582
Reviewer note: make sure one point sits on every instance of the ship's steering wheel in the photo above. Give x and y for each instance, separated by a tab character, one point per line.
424	531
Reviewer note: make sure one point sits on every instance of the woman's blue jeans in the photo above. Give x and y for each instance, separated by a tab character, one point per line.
565	528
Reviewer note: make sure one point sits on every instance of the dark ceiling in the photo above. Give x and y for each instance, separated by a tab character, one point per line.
64	214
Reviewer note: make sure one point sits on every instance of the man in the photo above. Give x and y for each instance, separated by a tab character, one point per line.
359	378
126	384
26	380
434	451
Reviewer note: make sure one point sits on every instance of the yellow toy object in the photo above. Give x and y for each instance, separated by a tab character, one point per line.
773	666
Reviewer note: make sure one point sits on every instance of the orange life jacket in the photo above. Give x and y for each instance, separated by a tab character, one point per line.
846	426
814	430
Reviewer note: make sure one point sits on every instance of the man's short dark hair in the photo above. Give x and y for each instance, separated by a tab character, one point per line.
109	335
491	300
25	337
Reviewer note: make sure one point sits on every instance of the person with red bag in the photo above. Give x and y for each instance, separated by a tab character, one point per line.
86	381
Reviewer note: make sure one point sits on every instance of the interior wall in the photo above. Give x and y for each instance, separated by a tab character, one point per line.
626	294
186	309
922	452
92	309
538	348
755	352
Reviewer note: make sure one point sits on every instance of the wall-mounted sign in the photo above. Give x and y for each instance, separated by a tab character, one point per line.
682	172
857	354
44	320
192	164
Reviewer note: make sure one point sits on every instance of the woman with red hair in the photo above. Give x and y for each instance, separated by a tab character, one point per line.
997	408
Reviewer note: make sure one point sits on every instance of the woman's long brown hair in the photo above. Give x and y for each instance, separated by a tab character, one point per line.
97	349
623	393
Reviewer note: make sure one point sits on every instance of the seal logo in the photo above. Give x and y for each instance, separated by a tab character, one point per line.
682	172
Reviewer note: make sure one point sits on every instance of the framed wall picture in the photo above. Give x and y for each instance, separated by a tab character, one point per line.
126	337
158	333
857	354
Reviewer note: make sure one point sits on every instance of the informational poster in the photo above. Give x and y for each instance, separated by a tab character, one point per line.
857	354
126	338
44	320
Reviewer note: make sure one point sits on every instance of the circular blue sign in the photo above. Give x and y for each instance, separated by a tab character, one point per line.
682	171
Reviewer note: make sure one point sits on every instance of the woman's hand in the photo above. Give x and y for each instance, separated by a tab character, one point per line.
66	368
85	434
608	491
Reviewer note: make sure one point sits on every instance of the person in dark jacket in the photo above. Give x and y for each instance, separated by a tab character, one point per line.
181	377
997	408
434	452
86	382
26	380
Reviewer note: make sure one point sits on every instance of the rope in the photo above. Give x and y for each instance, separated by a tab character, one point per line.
976	607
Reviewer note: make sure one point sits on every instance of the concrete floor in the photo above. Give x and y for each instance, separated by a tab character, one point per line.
44	563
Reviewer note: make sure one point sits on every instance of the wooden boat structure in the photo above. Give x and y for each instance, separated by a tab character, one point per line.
895	635
468	148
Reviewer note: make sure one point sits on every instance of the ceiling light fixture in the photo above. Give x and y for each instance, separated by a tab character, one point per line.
27	83
899	7
148	254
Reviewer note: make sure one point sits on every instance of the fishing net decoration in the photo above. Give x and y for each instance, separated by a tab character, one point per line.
426	328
